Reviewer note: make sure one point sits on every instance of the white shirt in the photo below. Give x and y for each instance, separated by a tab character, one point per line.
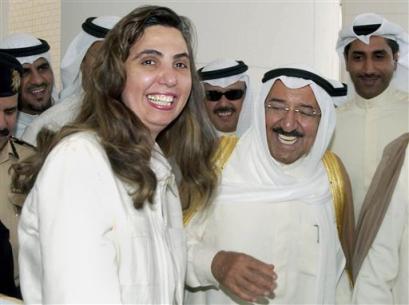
82	240
364	128
53	118
23	120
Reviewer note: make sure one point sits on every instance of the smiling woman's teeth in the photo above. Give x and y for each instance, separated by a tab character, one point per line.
163	100
287	139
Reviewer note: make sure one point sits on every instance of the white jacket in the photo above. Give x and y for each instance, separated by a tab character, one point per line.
82	241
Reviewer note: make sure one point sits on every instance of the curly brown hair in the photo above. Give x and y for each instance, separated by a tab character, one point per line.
189	140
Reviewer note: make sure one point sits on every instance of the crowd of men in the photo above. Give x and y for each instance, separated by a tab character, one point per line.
312	201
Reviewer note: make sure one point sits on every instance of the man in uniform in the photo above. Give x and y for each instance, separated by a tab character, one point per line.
270	235
11	151
37	85
228	95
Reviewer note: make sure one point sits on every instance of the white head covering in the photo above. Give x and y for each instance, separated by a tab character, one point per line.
252	175
93	29
223	73
25	47
367	25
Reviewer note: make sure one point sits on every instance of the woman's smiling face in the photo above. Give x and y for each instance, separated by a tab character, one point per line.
158	77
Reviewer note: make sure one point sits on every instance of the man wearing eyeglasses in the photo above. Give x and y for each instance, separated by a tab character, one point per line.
270	235
228	96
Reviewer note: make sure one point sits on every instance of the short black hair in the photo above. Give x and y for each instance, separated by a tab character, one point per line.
391	43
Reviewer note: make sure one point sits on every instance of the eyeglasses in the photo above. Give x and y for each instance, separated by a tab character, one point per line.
233	94
282	109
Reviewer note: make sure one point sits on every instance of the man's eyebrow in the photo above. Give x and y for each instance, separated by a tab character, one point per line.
359	52
381	51
43	65
275	99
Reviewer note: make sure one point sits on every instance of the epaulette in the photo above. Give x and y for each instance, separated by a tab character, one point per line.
14	141
21	142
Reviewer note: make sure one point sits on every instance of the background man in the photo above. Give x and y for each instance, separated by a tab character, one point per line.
228	95
37	84
376	116
11	151
270	234
75	70
378	113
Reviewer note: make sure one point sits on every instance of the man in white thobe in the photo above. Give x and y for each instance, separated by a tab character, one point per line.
75	70
376	55
270	234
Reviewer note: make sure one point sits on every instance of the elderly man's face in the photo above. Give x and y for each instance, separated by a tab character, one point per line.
8	116
371	67
224	110
292	119
36	86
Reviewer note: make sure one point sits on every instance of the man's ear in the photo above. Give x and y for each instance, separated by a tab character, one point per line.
395	59
346	61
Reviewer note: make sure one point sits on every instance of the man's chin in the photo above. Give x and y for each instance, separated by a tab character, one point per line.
41	106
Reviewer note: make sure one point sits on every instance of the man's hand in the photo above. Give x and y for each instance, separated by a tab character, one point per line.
244	275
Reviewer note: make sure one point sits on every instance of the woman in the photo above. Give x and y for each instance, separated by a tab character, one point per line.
102	222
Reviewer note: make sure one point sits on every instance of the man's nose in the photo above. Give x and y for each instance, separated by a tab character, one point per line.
2	120
289	120
36	78
369	66
223	100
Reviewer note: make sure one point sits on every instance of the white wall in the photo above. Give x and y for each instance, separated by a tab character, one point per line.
264	34
4	9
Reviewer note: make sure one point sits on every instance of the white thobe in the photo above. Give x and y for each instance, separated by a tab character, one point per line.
53	118
283	234
23	120
364	128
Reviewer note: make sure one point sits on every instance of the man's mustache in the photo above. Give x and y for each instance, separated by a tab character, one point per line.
224	109
369	76
34	87
292	133
4	132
